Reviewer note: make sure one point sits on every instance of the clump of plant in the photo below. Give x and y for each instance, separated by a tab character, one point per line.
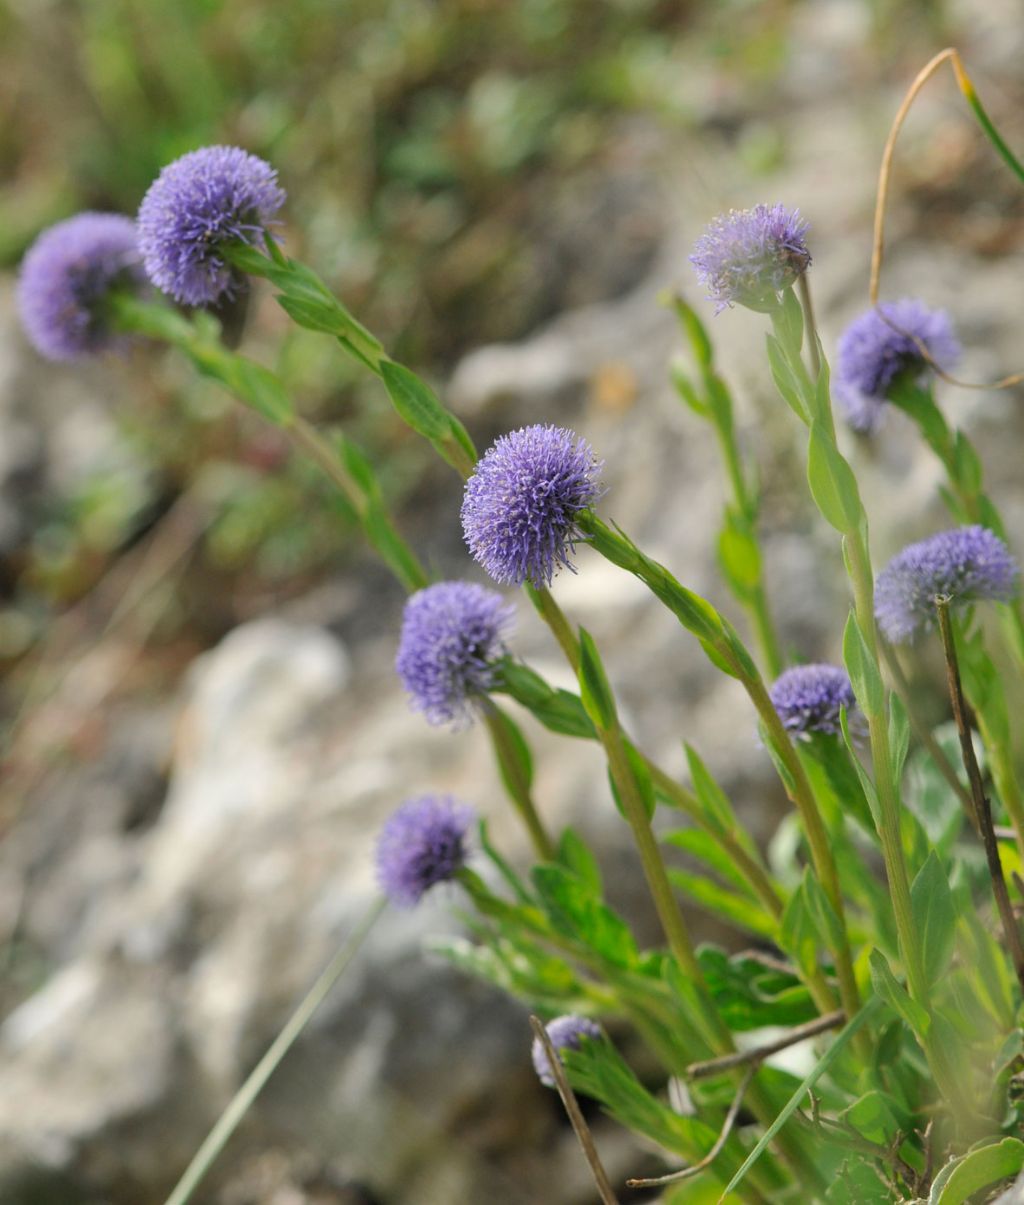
908	982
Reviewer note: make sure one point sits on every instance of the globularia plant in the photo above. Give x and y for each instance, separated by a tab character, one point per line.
883	938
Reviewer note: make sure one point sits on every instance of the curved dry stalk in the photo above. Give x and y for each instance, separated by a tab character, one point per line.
572	1108
952	56
695	1169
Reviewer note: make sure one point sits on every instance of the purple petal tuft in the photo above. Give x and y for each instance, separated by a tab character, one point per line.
199	203
65	277
965	564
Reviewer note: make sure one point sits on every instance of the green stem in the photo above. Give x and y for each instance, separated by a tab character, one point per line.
514	774
890	835
243	1099
802	796
554	617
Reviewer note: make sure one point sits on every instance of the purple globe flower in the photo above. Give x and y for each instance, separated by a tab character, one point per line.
873	354
520	508
423	843
809	698
451	637
198	204
965	564
67	274
566	1033
748	256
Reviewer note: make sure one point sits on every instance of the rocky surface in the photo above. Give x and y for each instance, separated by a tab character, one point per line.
178	889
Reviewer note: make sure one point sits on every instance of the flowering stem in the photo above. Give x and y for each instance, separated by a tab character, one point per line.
724	648
243	1099
800	793
508	751
889	831
813	355
982	806
554	617
713	403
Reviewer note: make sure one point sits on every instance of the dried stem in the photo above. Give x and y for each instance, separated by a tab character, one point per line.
572	1108
981	803
925	735
952	56
727	1127
757	1054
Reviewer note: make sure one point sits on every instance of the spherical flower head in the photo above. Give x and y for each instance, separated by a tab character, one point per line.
966	564
451	637
748	256
879	347
66	276
809	698
520	508
197	205
422	844
565	1033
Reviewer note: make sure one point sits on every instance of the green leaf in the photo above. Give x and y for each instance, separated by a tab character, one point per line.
876	1116
739	910
314	315
823	1064
713	800
558	710
416	403
705	847
575	855
893	993
969	472
515	761
579	914
863	669
899	735
961	1178
784	380
261	389
684	387
826	921
595	689
833	485
934	916
750	995
798	933
739	556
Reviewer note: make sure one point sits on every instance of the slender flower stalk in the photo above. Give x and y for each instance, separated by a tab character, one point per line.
724	647
834	490
982	808
246	1095
739	551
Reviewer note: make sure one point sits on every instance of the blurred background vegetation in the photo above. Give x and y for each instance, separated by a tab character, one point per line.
460	170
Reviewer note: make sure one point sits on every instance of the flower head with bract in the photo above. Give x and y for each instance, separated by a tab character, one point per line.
423	843
197	205
809	698
881	346
451	637
67	274
749	256
966	564
565	1033
520	508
